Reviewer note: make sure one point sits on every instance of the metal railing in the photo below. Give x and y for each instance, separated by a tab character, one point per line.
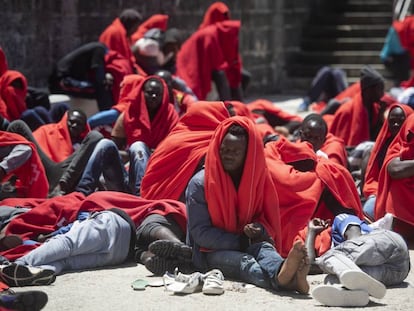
401	9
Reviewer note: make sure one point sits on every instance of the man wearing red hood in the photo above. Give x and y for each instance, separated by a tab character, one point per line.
13	90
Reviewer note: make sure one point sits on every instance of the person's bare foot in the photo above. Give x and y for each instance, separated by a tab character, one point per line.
302	285
291	264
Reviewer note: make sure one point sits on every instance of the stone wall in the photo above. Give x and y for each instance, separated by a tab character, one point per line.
35	33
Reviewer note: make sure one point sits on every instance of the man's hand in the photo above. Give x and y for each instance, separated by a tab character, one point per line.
318	225
253	230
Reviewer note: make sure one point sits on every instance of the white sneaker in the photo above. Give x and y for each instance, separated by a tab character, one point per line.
336	296
186	283
354	279
213	283
383	223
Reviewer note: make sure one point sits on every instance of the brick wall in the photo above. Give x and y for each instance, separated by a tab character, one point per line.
35	33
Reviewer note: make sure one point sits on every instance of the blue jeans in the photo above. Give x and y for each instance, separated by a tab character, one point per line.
258	265
369	207
101	240
105	160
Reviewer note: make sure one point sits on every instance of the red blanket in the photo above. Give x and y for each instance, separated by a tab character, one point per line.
255	200
54	139
137	123
13	99
300	192
208	49
128	84
116	39
155	21
334	147
395	196
351	122
217	12
175	159
54	213
118	66
31	174
281	116
373	167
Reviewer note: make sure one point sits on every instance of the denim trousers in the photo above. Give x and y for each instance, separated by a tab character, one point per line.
105	160
258	265
101	240
383	254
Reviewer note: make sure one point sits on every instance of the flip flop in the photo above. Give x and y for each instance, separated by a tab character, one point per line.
139	284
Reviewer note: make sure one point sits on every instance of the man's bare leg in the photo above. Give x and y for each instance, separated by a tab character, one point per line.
291	264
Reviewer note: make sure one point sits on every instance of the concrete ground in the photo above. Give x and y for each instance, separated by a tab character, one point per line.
110	288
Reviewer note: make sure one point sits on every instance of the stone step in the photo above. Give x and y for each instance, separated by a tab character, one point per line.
352	70
346	31
362	6
342	44
335	57
352	18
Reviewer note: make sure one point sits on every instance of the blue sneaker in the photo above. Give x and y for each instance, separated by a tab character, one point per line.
304	105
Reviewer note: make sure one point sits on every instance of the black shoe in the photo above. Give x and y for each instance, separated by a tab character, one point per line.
32	300
20	275
160	265
171	249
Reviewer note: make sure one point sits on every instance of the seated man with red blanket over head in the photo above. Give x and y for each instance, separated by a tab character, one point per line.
396	117
103	229
212	54
361	118
395	184
13	91
117	35
148	119
233	217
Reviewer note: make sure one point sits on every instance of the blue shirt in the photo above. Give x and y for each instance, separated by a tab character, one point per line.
341	223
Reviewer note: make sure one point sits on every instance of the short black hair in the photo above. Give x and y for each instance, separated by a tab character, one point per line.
318	119
238	130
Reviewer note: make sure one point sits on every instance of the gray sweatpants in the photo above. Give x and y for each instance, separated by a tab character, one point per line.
101	240
382	254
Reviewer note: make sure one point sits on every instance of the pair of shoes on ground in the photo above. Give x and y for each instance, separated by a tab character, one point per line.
210	283
354	290
169	255
32	300
20	275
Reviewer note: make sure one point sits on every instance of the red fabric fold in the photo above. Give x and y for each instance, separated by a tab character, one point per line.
175	159
155	21
217	12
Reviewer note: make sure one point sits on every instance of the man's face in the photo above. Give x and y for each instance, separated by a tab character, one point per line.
374	93
233	152
76	124
396	118
313	134
153	91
